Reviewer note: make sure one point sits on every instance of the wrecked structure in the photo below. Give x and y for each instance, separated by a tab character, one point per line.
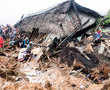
61	20
75	66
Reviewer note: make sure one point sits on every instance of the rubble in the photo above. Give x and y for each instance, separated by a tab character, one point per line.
37	53
70	68
60	53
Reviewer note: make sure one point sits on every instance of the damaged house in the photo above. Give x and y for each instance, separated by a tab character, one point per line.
59	22
62	20
49	65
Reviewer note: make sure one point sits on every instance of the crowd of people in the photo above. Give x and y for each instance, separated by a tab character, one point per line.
10	37
6	32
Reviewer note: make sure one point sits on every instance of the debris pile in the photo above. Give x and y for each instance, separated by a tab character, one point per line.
65	50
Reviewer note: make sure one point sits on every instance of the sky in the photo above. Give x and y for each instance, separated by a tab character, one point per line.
12	10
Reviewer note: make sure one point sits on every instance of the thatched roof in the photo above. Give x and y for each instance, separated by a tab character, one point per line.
61	20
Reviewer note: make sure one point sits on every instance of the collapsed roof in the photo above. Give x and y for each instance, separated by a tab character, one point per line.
61	20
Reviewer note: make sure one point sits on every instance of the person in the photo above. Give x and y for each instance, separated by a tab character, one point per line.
8	30
1	43
12	34
1	31
98	34
24	43
29	46
22	54
27	40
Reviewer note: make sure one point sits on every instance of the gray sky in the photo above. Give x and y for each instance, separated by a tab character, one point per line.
12	10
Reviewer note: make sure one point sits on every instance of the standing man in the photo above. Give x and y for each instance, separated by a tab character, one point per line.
1	43
1	31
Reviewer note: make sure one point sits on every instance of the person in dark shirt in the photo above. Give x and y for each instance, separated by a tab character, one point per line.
1	31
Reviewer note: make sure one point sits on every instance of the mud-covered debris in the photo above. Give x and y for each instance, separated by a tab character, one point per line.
37	53
71	56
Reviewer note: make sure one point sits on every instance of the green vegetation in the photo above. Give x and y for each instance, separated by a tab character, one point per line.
105	20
